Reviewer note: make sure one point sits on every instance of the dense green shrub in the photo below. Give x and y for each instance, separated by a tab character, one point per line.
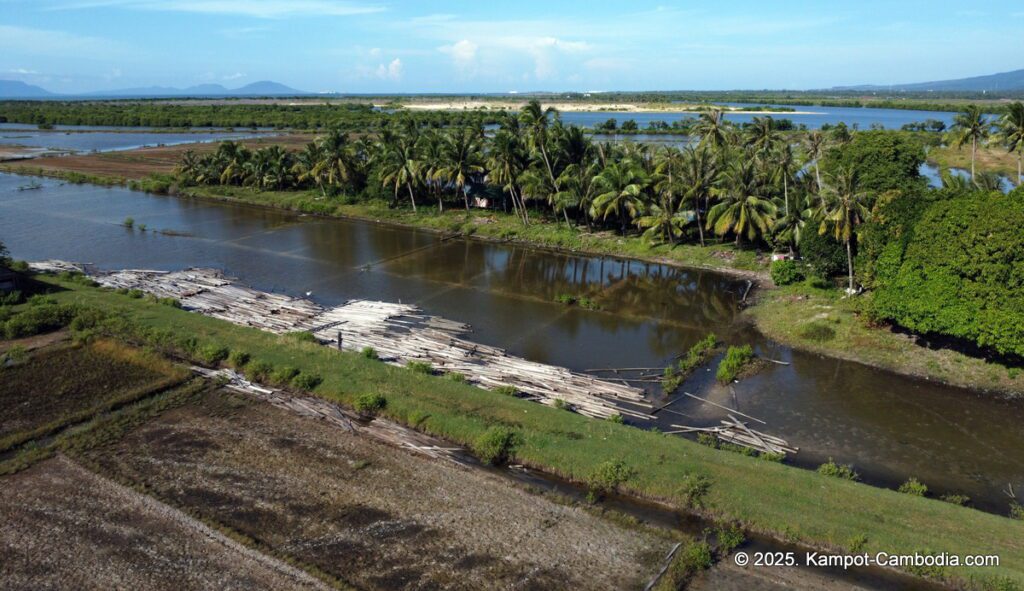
736	358
238	359
884	160
420	367
370	353
962	273
212	354
817	331
607	477
824	255
284	375
259	370
306	381
39	317
844	471
496	445
370	403
913	487
786	272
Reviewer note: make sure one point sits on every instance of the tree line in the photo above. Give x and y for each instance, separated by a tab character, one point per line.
750	184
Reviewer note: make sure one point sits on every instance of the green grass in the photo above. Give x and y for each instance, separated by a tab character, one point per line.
769	497
822	321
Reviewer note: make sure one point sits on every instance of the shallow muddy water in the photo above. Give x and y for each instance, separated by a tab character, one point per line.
889	427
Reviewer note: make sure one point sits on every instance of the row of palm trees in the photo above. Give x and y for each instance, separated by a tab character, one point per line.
750	185
972	126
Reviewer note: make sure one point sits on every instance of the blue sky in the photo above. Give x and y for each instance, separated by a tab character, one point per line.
481	46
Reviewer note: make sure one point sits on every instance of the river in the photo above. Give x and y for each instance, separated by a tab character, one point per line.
889	427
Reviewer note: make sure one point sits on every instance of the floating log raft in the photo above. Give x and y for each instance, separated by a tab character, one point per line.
399	333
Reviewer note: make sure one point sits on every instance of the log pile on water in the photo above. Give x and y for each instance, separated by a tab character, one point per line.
399	333
318	408
737	432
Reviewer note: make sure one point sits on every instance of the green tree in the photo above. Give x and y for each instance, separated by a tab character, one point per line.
744	210
816	146
700	176
713	130
971	126
462	159
1011	134
846	207
622	186
398	164
506	161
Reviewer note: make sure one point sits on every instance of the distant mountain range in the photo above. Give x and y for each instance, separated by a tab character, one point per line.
1004	82
14	89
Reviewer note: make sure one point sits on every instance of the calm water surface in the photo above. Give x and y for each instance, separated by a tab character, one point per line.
100	141
889	427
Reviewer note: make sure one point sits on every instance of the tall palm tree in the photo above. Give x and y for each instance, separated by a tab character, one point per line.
744	209
506	161
431	154
461	159
537	122
398	164
761	135
789	226
338	164
1011	134
785	165
713	130
970	126
660	222
307	166
846	207
700	177
622	186
815	151
578	187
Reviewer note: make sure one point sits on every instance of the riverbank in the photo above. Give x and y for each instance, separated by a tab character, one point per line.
778	314
586	107
988	159
766	497
825	322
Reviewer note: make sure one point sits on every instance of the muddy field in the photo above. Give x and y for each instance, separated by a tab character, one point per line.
140	163
63	527
367	514
66	383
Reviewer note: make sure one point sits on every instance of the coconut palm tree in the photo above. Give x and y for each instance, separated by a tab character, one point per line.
578	188
846	207
621	185
307	166
398	163
815	151
970	126
537	122
1011	134
713	130
790	225
744	209
761	135
700	176
338	165
431	154
661	223
785	166
461	159
954	181
506	161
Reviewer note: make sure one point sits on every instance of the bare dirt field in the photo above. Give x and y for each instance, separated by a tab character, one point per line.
63	527
368	514
140	163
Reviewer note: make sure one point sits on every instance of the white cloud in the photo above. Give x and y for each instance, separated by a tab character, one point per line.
392	71
234	76
252	8
463	53
22	72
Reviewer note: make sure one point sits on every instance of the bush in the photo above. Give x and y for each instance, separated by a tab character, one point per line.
369	353
913	487
212	354
370	404
617	418
456	377
303	336
1016	511
41	316
420	367
129	222
691	559
693	490
698	354
10	299
825	256
729	538
816	331
786	272
962	500
607	477
844	471
259	371
496	445
238	359
562	405
306	381
507	390
283	375
736	358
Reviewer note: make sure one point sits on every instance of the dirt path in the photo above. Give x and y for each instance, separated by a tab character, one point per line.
63	527
369	514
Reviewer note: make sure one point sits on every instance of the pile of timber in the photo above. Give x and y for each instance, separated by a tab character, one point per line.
737	432
317	408
399	333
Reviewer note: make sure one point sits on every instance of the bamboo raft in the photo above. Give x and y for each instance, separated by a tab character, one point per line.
320	409
399	333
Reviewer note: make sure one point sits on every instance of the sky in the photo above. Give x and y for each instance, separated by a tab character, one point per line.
410	46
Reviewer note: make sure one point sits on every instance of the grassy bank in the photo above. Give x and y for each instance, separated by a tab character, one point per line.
988	159
783	501
823	321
